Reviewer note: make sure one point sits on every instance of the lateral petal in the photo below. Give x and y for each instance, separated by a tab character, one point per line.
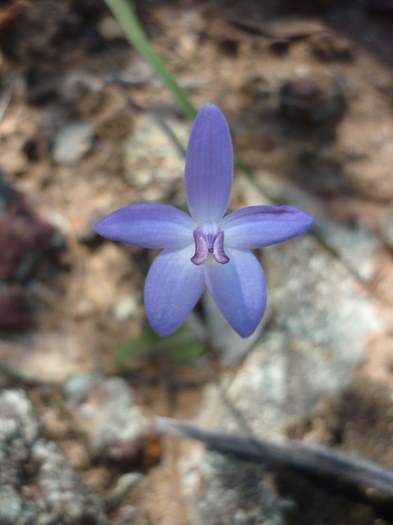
239	290
258	226
148	226
172	288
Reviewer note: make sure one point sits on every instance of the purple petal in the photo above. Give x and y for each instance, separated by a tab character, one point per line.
258	226
209	165
173	286
239	290
148	225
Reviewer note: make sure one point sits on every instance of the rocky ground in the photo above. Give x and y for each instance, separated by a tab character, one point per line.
85	127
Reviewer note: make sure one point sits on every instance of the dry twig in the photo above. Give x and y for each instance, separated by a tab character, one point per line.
312	460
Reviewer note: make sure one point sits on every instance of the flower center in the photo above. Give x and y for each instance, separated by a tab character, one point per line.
209	240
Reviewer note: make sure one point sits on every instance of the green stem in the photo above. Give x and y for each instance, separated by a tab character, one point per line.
124	12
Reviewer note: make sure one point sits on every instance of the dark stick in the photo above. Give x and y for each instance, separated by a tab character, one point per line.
314	460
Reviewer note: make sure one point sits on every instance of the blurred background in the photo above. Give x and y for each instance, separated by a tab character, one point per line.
86	126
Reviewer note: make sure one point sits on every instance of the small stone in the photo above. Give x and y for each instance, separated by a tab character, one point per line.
126	308
312	101
153	193
78	387
136	73
17	419
72	142
293	28
187	45
109	28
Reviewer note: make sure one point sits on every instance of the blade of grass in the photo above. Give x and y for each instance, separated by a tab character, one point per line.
125	14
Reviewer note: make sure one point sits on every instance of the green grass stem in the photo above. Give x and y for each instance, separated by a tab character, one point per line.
125	14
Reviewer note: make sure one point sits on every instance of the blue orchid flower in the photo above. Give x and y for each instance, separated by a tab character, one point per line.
205	249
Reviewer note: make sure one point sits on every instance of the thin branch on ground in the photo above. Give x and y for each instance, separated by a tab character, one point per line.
313	461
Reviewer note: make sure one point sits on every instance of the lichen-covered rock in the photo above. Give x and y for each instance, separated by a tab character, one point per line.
320	323
67	500
37	484
234	492
106	412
